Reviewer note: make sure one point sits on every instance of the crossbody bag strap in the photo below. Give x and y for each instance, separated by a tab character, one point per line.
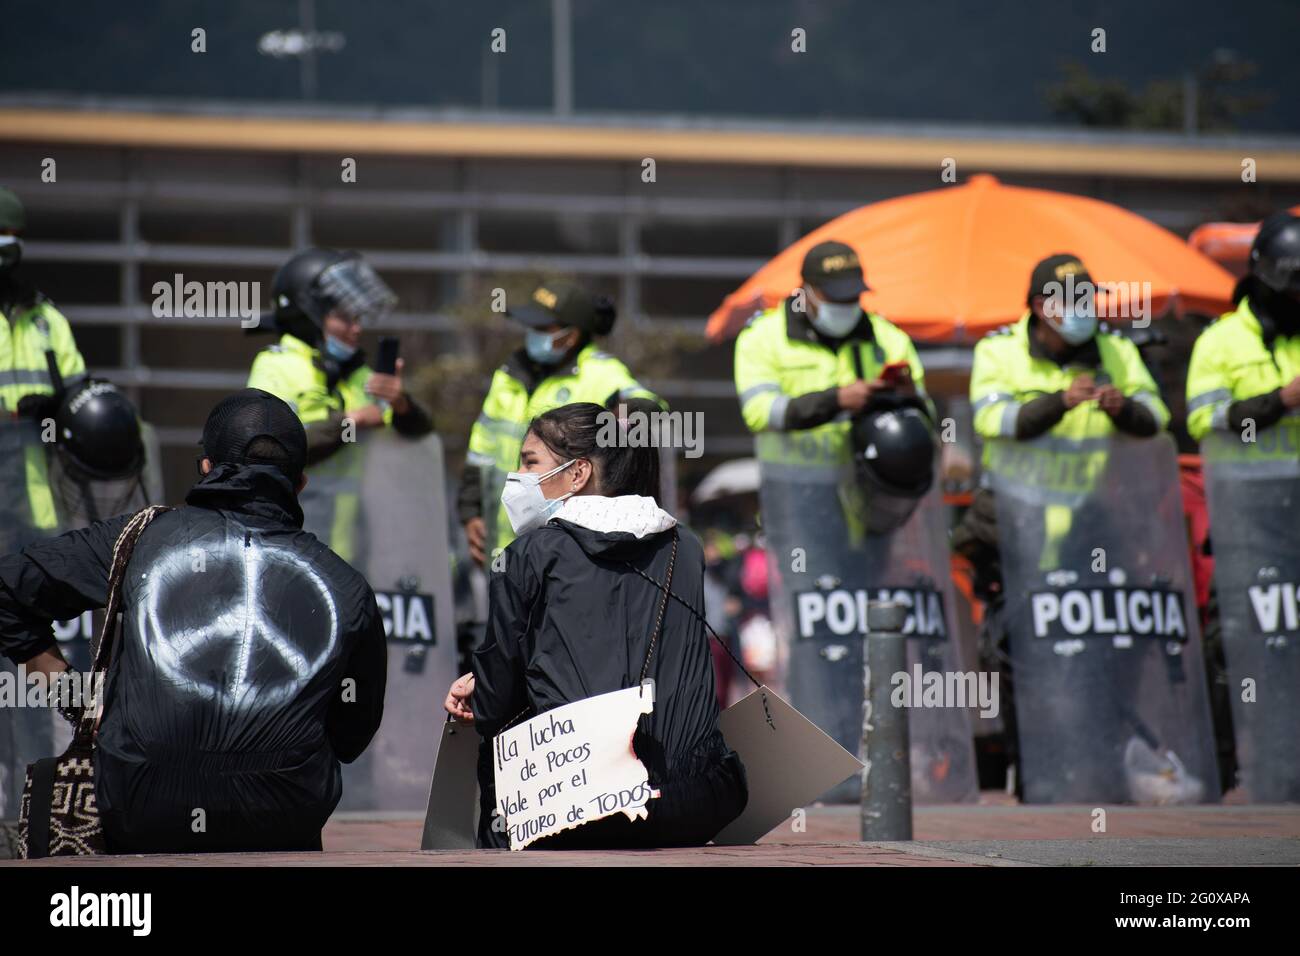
123	548
668	592
663	604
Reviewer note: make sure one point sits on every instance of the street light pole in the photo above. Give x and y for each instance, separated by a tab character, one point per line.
562	56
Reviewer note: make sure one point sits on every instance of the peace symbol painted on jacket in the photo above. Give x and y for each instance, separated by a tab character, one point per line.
244	623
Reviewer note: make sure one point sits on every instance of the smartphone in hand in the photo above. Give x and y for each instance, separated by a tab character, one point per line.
386	361
894	374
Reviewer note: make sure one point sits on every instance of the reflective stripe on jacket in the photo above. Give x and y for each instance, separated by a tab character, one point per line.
1005	375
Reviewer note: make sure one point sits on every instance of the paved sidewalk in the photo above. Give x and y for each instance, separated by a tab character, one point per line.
995	832
993	819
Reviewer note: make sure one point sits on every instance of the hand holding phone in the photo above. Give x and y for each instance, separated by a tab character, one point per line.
895	374
385	385
386	360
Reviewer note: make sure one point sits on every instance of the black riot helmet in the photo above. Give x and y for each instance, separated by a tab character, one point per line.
1275	254
316	282
893	451
98	432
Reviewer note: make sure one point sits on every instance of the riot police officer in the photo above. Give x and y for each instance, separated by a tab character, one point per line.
36	346
1083	537
1055	374
1050	370
835	397
1243	396
322	299
1247	364
820	334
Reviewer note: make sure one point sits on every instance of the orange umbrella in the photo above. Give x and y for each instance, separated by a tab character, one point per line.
952	263
1227	243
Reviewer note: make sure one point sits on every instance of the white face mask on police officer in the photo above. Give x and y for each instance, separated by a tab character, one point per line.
834	319
526	506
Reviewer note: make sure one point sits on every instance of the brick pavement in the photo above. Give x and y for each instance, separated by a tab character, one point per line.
995	832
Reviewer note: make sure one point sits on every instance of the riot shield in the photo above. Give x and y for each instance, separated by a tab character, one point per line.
37	486
1254	497
28	512
492	481
824	568
1104	643
380	503
26	733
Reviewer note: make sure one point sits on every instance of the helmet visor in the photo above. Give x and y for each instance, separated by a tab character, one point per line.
354	290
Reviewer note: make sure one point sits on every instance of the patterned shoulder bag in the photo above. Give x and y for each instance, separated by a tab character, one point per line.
59	815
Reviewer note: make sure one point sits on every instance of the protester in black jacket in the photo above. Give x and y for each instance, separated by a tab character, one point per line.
570	618
252	658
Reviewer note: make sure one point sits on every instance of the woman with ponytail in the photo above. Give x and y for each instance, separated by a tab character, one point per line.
578	608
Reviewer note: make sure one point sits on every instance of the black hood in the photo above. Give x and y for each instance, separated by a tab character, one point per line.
260	494
1277	312
17	291
612	545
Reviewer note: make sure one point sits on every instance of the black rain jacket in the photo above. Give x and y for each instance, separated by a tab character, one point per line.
226	712
567	620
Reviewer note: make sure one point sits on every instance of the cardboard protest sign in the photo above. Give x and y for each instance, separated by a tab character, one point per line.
789	761
451	821
572	765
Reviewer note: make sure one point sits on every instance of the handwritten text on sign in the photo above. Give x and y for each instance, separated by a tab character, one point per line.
572	765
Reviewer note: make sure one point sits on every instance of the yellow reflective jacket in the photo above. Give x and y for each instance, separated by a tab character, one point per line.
779	357
25	336
1231	362
295	371
1007	372
498	434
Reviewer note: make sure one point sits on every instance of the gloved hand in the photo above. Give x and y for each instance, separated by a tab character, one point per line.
37	407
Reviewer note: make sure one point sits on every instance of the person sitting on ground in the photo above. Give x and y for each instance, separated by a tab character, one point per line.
252	658
572	615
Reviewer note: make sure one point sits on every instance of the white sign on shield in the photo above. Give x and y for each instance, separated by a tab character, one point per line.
573	765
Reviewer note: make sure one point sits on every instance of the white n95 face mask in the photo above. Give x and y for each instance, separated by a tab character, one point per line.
526	506
835	319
